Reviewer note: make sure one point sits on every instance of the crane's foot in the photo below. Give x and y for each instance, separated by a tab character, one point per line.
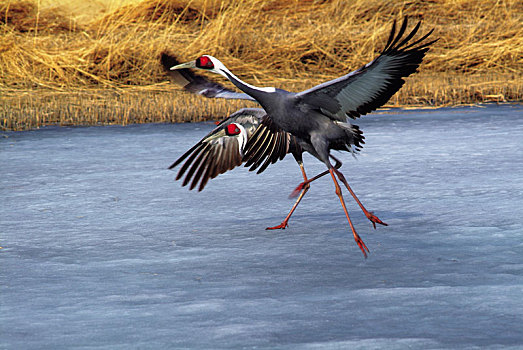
281	226
304	185
374	219
362	245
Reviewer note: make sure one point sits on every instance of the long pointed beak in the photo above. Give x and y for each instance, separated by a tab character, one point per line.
218	135
190	64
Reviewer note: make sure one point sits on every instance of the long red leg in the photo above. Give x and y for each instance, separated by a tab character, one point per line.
357	237
373	218
298	188
304	190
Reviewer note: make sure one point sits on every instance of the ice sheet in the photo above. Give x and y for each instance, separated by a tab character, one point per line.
101	249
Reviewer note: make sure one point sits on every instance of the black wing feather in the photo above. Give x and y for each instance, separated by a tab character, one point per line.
372	85
268	144
219	152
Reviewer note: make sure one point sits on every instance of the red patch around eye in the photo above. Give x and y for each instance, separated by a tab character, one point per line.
204	62
232	129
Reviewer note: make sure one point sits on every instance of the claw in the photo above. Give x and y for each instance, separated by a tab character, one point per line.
298	189
281	226
362	246
374	219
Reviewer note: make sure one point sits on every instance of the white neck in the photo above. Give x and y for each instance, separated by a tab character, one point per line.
220	68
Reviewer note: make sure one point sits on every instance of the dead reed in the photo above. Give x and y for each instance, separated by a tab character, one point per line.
59	68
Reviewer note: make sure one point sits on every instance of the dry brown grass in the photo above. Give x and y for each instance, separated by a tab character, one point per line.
59	67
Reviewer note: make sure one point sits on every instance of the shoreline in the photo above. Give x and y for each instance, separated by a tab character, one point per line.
90	108
25	109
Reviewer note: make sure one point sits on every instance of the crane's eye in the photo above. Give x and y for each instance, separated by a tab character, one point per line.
204	62
232	129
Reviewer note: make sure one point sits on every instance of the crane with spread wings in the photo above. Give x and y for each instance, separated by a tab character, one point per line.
314	121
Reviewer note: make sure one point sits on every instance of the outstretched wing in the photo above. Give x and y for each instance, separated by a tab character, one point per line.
267	145
226	147
198	84
221	150
372	85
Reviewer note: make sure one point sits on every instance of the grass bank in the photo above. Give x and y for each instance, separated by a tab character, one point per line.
83	63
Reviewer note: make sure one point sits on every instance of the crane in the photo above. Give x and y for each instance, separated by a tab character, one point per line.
315	120
224	148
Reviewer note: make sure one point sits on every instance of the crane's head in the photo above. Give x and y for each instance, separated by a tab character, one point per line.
204	62
212	64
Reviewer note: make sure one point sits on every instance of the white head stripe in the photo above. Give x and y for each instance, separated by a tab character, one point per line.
220	68
242	138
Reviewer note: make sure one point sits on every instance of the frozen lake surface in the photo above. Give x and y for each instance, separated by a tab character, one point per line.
101	249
